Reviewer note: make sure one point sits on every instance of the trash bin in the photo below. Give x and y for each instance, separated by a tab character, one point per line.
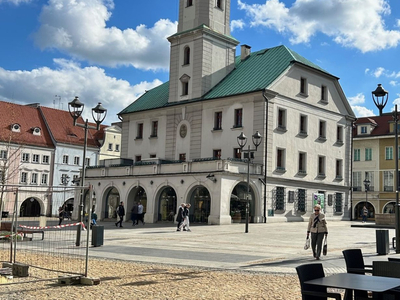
97	235
382	242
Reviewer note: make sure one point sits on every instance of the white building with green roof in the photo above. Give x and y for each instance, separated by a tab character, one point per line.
179	140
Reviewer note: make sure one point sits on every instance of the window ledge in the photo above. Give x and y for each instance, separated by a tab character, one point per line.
153	137
237	127
301	173
322	176
323	101
322	139
281	128
338	178
303	94
339	143
216	130
303	134
280	170
138	138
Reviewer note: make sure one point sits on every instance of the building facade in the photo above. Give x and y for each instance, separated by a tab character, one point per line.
179	140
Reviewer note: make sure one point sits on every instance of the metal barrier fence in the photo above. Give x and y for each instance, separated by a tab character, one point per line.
37	231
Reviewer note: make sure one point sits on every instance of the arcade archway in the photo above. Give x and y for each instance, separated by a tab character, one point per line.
167	205
200	202
238	203
111	203
30	208
358	211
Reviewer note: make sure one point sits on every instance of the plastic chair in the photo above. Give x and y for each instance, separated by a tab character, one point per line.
313	292
355	264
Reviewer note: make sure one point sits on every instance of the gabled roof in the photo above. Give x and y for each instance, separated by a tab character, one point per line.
28	118
63	131
255	73
381	125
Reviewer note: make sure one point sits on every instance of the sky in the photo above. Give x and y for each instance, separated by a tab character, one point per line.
112	51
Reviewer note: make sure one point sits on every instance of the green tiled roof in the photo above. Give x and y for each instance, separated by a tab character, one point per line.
255	73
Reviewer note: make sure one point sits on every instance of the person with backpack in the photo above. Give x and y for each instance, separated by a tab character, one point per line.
120	214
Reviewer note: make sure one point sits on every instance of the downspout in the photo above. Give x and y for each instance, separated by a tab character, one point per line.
351	169
271	95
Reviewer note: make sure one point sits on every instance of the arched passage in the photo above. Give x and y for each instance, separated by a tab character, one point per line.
358	211
136	195
167	205
30	208
111	202
389	208
238	203
200	202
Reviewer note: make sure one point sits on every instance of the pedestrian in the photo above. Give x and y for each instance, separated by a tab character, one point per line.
140	214
60	215
365	214
120	214
317	227
180	217
185	223
134	213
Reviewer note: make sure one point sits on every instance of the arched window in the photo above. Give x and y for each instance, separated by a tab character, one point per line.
186	59
185	84
219	4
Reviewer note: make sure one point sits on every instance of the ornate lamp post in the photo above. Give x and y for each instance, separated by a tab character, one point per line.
380	97
366	185
99	113
242	140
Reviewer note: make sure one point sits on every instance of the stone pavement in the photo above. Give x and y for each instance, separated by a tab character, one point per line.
270	247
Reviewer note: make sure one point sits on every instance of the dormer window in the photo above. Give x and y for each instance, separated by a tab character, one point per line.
36	131
16	127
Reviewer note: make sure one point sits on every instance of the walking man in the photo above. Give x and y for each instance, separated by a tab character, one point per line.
140	213
180	216
120	213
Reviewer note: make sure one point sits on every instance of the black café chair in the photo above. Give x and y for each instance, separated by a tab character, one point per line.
387	269
355	265
313	292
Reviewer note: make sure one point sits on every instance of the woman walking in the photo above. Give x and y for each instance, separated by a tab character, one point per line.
317	227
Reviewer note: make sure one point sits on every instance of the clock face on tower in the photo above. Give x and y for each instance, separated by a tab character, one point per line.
183	131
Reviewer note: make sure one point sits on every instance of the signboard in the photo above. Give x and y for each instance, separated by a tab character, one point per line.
319	199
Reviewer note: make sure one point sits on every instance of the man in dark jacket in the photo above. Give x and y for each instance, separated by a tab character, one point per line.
120	213
180	216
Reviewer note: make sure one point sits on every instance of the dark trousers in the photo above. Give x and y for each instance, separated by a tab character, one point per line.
179	223
120	221
134	218
139	218
316	243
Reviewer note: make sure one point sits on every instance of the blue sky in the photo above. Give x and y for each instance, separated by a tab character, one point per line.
111	51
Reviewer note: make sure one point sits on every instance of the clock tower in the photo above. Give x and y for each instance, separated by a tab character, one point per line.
202	51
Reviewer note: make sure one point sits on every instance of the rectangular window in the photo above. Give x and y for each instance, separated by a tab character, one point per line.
357	154
303	124
153	156
24	177
116	147
302	163
3	154
322	130
25	157
76	160
370	177
87	162
138	158
338	202
363	129
36	158
75	179
110	147
218	120
44	179
185	88
189	3
139	134
182	156
303	86
356	181
389	153
339	135
368	154
154	129
321	166
237	153
219	4
282	119
280	160
301	200
217	154
34	178
339	169
65	159
45	159
280	198
238	118
324	96
388	180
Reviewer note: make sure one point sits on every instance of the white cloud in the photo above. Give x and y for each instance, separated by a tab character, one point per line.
361	111
79	28
378	72
68	80
382	72
394	83
351	23
237	24
358	99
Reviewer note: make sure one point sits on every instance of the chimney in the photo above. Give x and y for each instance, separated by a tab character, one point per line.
244	51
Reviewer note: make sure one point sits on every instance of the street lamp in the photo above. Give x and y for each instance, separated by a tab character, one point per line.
366	185
99	113
242	140
379	99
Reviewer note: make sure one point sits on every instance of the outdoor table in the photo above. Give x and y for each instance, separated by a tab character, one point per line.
348	281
